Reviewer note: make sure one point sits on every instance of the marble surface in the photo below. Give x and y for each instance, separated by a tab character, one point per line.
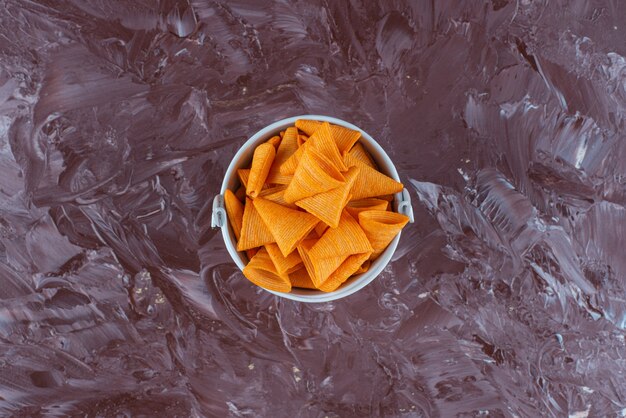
506	120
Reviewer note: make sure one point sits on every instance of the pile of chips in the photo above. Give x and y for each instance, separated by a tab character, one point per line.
313	209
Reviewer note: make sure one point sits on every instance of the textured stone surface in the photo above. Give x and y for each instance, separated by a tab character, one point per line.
506	120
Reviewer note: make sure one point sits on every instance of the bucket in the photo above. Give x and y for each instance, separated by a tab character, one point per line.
243	159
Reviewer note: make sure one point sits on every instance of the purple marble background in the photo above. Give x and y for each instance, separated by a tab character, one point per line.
506	120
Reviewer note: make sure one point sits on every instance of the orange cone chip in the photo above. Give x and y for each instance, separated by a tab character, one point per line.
343	272
254	233
321	228
357	206
301	278
323	141
277	195
272	190
241	193
261	163
347	239
344	137
251	253
358	153
325	268
312	235
269	190
364	267
328	206
373	183
381	227
308	126
319	269
275	141
234	211
244	175
288	226
303	250
306	244
315	174
287	147
289	167
261	271
302	139
284	265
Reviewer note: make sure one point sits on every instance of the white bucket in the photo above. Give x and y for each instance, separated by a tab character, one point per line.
243	158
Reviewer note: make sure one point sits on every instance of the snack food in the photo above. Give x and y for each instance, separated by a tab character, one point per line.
317	210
